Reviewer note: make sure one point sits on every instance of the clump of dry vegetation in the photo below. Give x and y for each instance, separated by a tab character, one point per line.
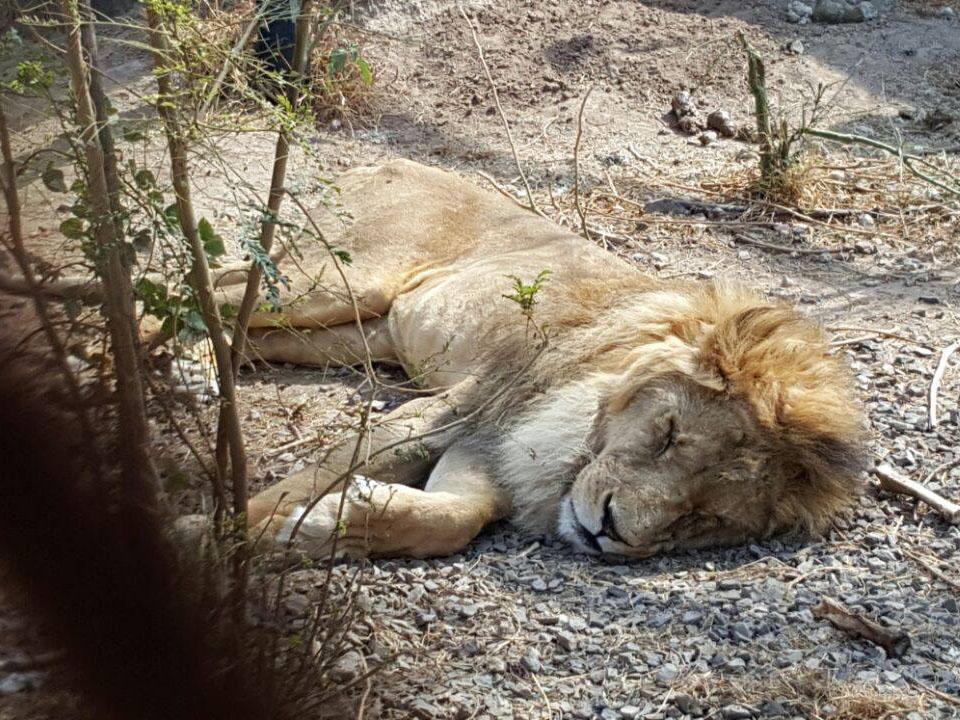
811	694
228	61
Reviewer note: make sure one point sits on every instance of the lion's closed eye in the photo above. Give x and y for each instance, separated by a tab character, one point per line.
667	438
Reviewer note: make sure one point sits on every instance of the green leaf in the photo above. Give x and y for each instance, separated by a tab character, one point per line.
153	295
144	179
132	135
338	61
53	179
228	311
72	228
194	320
212	243
366	74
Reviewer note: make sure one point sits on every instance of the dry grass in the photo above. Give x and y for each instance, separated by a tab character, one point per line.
807	693
340	82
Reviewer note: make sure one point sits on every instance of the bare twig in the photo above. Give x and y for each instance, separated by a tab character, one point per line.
741	237
893	481
937	379
946	697
576	167
906	159
228	62
879	333
894	641
503	117
938	574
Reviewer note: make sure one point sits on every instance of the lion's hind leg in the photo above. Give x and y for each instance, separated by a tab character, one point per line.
338	345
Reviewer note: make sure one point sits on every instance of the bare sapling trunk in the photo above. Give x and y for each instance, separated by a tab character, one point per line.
29	283
118	300
278	177
200	279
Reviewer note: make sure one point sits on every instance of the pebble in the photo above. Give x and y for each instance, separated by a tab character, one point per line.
707	137
798	12
667	673
721	122
736	712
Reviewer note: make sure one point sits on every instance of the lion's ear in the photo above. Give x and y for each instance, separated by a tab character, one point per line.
818	485
779	363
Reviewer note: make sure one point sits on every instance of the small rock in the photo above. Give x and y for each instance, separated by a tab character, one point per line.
722	123
567	641
796	47
689	124
773	708
688	705
667	673
531	661
348	667
866	220
630	711
864	247
683	104
708	137
799	13
833	12
868	10
947	12
736	712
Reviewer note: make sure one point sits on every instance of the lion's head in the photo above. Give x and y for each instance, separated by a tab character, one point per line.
720	418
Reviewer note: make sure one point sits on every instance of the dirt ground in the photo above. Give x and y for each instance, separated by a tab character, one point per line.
519	627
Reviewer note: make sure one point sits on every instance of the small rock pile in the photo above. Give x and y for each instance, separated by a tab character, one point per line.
831	12
689	121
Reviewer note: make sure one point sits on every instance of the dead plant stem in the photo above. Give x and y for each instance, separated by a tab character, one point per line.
503	116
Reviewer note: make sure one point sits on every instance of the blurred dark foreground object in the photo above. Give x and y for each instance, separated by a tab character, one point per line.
142	638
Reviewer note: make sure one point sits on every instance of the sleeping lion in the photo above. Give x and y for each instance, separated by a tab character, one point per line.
622	413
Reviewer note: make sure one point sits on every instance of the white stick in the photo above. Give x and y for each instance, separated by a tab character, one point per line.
937	379
893	481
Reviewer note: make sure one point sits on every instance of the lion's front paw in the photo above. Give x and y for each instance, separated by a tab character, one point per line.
316	529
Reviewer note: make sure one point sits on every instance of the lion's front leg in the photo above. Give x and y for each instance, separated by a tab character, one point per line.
379	519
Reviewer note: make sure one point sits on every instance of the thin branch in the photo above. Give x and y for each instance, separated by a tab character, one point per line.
740	237
893	481
503	117
576	167
906	159
138	472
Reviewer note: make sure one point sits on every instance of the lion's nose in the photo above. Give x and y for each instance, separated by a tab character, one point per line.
608	526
